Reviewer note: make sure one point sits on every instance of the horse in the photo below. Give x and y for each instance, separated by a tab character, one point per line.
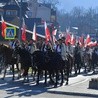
77	60
94	59
25	61
87	61
8	59
51	62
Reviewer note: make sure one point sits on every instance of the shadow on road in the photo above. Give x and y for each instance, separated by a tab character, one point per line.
17	88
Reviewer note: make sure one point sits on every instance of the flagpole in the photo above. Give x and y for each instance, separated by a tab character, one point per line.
20	21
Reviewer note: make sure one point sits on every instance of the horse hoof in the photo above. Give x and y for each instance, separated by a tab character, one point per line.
18	78
61	84
66	83
2	78
37	84
27	80
55	86
13	79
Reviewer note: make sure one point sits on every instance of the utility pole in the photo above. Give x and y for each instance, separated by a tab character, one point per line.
20	21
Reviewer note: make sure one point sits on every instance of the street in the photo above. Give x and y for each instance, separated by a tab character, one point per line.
78	88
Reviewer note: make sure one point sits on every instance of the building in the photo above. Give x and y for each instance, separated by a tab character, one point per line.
32	11
43	11
10	9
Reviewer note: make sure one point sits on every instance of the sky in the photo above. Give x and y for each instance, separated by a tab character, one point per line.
67	5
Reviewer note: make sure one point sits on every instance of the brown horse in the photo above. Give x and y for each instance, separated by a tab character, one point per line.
8	58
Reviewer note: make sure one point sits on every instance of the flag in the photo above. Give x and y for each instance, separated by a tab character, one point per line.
3	26
81	41
23	31
73	40
88	40
53	35
54	39
68	38
34	37
54	32
47	33
92	44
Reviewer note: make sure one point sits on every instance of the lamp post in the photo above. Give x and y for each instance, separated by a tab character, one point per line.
20	20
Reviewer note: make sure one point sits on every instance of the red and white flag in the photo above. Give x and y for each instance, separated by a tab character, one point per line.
34	36
23	36
88	40
47	33
68	38
92	44
73	40
54	32
81	41
3	26
53	35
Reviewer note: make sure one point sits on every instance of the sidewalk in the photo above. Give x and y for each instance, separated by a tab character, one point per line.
78	86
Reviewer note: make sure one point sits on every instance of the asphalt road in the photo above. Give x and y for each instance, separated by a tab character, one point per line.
77	88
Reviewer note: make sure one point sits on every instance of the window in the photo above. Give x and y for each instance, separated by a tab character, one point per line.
11	12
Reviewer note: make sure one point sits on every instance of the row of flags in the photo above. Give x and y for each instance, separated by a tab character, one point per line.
69	38
23	35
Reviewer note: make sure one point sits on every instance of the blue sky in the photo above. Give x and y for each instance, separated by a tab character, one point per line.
69	4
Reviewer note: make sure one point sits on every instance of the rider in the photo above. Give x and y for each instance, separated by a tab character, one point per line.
14	43
61	49
31	46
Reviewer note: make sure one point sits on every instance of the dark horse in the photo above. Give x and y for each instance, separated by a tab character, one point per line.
51	62
8	58
25	60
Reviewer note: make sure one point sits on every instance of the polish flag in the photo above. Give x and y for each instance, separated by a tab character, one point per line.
81	41
91	44
3	26
54	39
54	32
68	38
47	33
88	40
34	36
23	31
73	40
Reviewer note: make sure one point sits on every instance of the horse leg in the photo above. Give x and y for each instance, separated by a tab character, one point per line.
19	73
67	74
55	85
62	78
50	76
25	74
45	76
5	68
38	76
78	67
75	66
13	71
34	74
70	63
